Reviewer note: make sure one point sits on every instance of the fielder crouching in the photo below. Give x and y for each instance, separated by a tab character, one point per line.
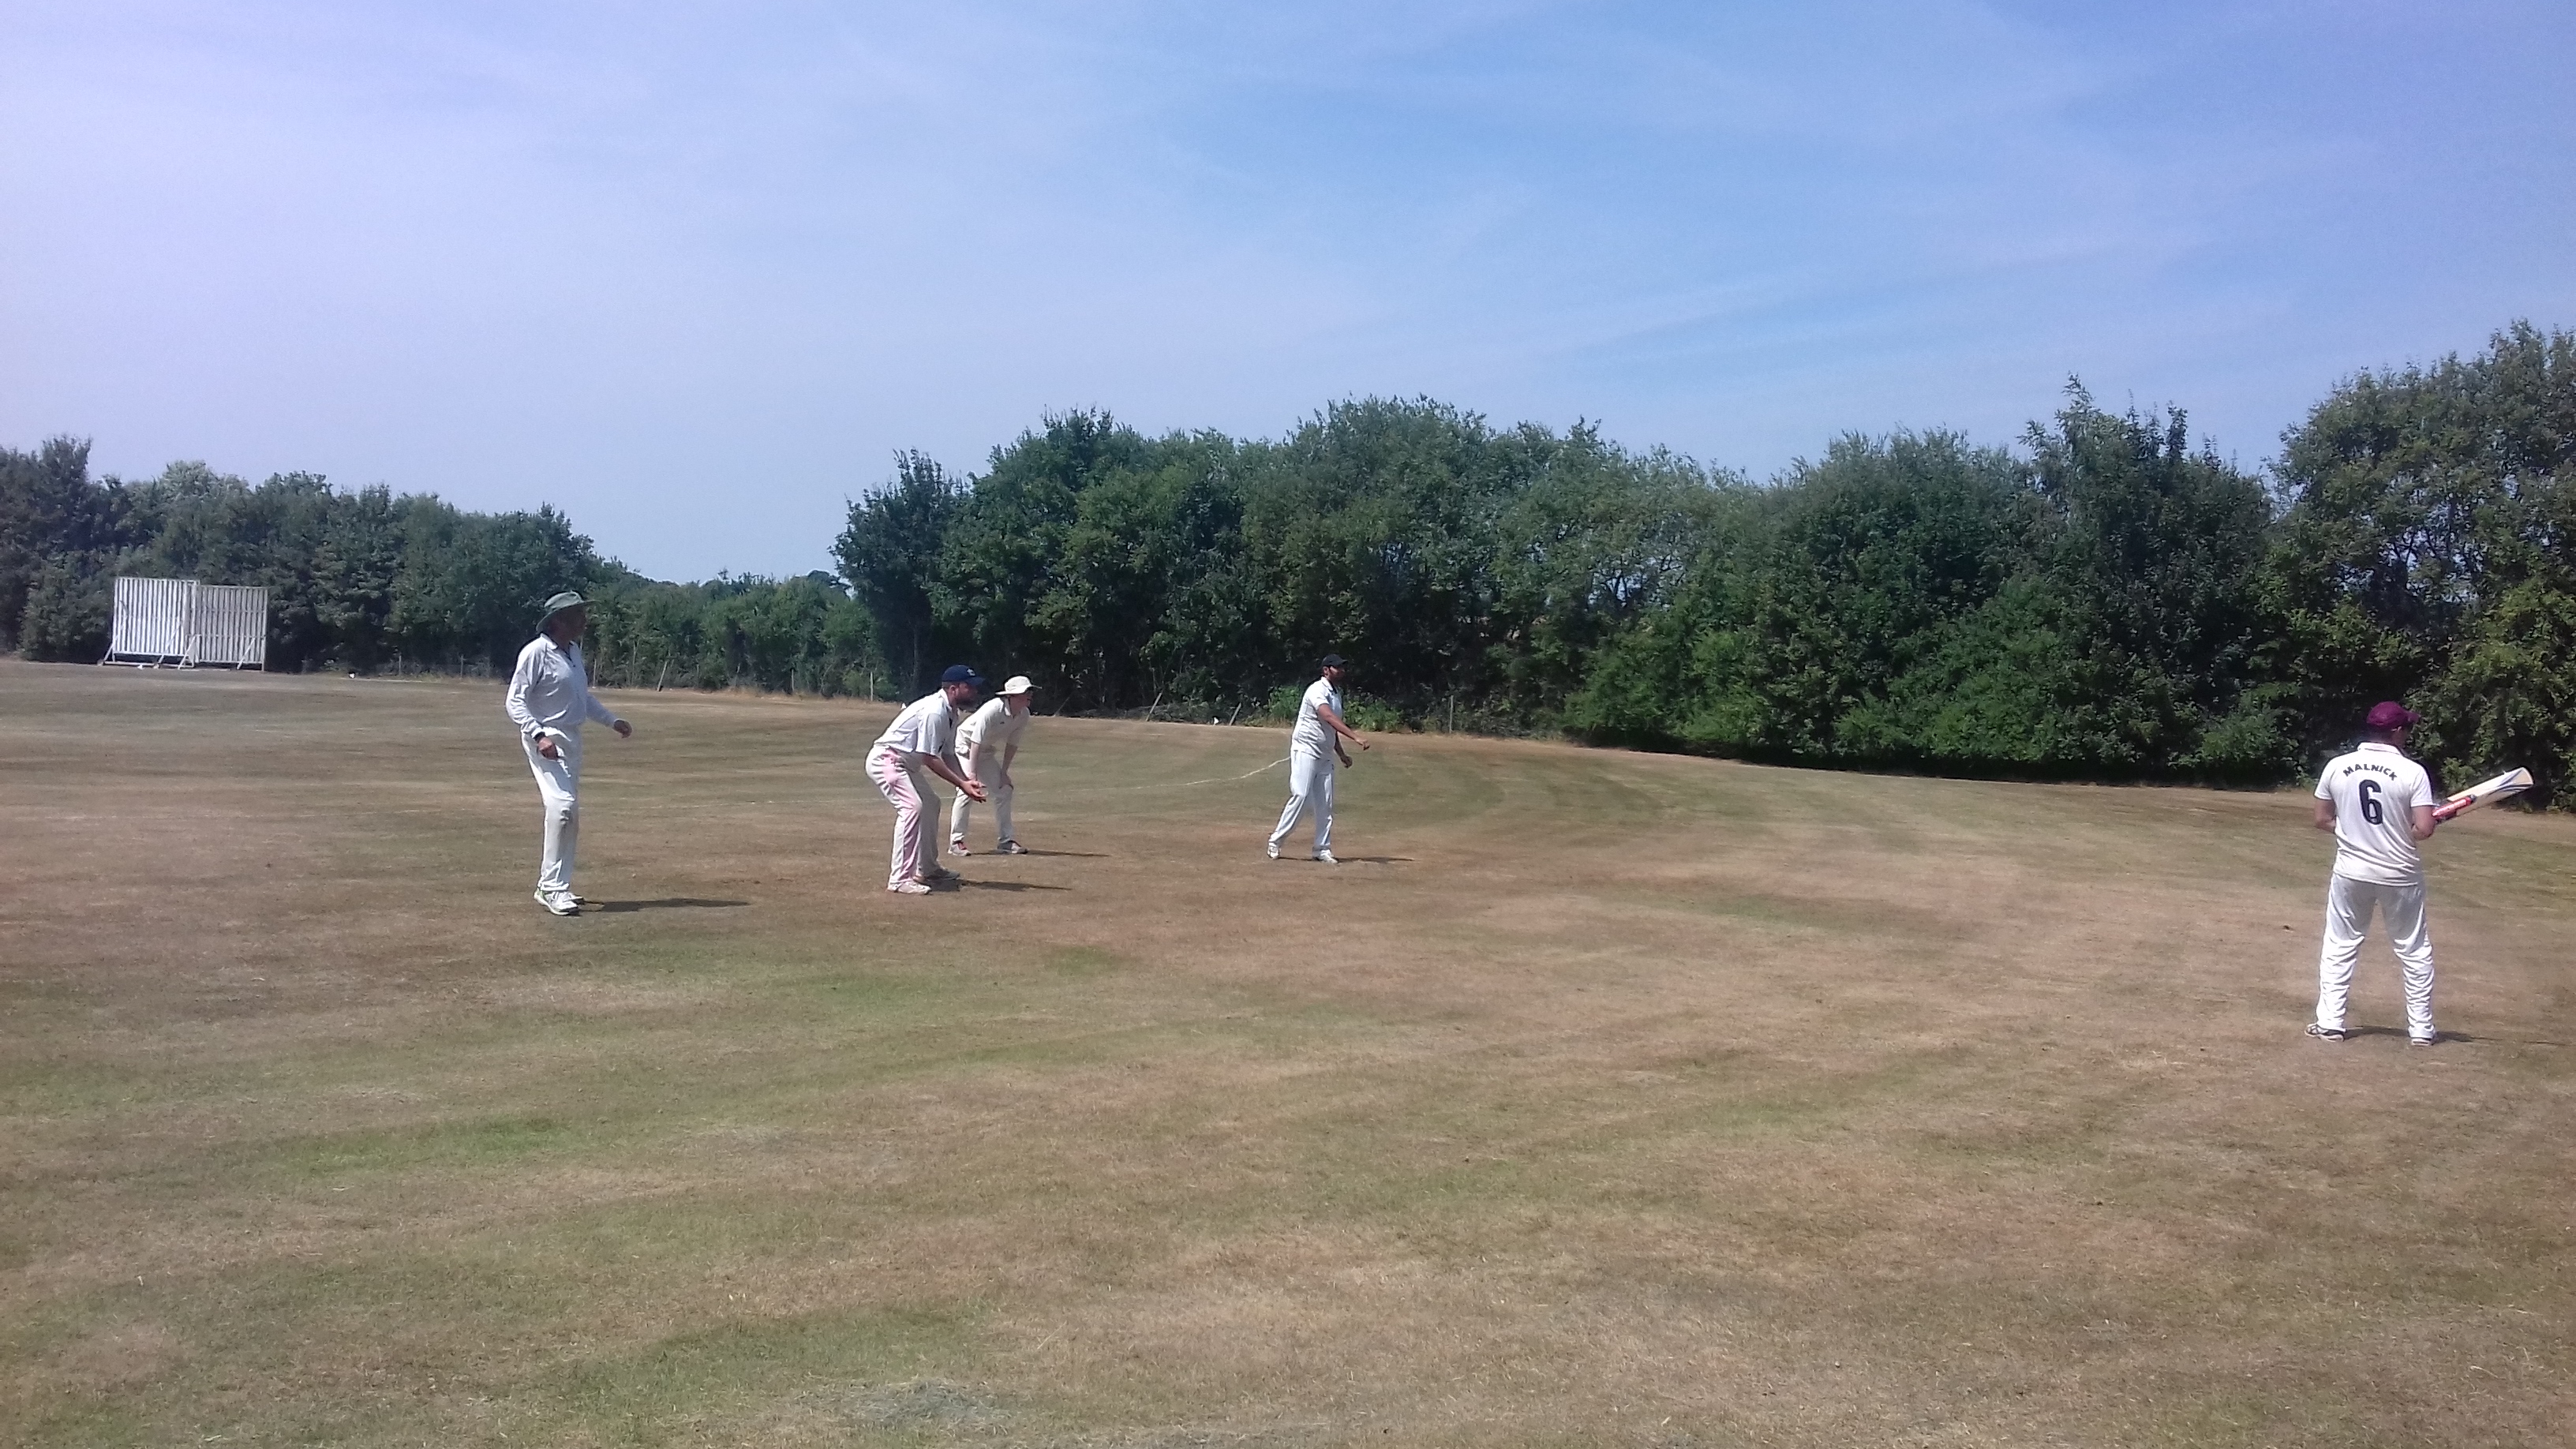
549	699
919	744
987	744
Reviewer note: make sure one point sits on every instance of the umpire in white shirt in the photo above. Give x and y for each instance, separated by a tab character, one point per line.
549	699
1310	771
986	745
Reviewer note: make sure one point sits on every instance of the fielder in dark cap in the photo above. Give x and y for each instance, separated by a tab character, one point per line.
2378	804
549	699
922	742
1310	775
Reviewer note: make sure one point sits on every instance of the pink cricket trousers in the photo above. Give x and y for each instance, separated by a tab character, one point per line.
916	813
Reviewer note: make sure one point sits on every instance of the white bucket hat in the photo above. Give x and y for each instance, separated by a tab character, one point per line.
1016	684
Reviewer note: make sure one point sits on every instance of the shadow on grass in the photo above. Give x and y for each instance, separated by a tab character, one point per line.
2440	1038
1063	854
1007	885
672	903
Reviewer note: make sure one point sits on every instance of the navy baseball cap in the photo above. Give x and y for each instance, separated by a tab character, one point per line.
1332	661
960	674
2388	714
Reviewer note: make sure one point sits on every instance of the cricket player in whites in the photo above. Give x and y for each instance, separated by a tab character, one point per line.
987	743
549	699
2378	804
1310	774
919	744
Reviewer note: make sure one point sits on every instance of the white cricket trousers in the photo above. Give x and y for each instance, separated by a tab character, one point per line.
986	767
559	789
2349	903
916	813
1310	787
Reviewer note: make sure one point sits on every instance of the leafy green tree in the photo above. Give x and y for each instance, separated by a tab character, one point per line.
1596	543
67	612
2426	554
996	596
891	553
1809	603
470	585
2154	554
49	508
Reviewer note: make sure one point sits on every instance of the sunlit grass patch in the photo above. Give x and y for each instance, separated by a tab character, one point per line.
1601	1099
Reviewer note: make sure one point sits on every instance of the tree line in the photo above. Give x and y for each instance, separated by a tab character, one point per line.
2103	600
370	581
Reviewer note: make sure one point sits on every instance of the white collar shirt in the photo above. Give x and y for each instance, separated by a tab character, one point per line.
2375	789
1310	737
994	727
927	726
550	690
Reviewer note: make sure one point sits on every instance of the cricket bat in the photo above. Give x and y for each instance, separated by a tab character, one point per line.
2511	782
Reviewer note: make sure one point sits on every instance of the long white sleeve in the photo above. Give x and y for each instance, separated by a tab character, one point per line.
522	679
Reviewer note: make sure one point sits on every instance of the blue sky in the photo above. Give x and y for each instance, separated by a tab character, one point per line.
694	272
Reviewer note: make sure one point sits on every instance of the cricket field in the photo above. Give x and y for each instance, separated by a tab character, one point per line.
1596	1099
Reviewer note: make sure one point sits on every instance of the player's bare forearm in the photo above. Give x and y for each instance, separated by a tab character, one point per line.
949	773
2325	816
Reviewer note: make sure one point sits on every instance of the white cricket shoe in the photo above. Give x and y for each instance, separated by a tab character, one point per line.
1010	847
909	888
958	847
561	903
1326	857
1274	850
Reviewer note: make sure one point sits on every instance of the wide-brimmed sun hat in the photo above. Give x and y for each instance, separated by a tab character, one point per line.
1017	684
560	602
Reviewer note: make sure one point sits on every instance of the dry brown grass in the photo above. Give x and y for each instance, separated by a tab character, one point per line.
1603	1099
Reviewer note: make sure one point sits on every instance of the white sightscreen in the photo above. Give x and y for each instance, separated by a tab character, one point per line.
180	621
153	619
232	626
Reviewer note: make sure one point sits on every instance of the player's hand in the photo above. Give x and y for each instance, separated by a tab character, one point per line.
1360	740
546	747
624	730
973	790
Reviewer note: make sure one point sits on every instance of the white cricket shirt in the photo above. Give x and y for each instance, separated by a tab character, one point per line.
550	690
992	727
1310	737
2375	790
926	726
